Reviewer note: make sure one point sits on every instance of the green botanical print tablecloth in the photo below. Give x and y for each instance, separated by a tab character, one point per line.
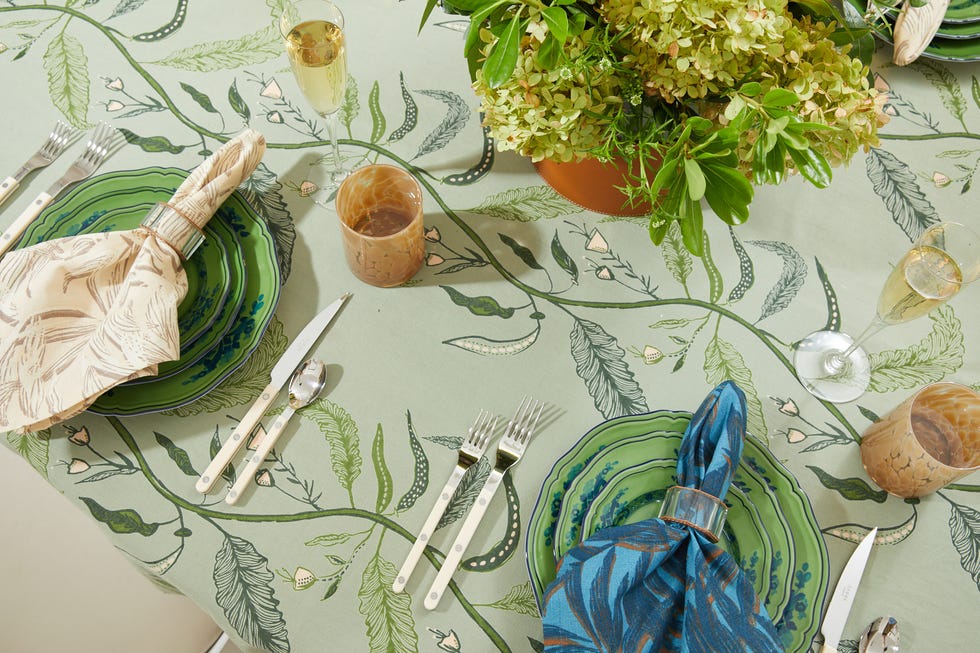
522	292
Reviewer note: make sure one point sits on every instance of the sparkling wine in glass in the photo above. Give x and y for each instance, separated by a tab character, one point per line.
834	366
317	48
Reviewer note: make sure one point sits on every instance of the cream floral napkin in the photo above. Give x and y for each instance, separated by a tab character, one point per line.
82	314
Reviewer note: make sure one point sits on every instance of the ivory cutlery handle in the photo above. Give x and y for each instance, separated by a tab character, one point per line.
23	221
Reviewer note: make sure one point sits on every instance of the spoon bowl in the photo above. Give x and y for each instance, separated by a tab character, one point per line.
881	636
305	386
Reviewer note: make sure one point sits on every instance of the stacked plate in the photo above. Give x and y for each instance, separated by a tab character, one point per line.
233	282
958	38
618	473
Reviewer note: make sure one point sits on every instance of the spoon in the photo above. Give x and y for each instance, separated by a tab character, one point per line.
880	637
305	386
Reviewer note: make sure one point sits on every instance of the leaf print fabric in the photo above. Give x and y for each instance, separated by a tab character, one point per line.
657	586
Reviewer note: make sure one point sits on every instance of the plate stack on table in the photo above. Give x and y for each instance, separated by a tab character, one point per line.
618	473
233	283
958	37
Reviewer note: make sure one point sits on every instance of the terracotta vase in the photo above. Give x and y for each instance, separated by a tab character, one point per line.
595	185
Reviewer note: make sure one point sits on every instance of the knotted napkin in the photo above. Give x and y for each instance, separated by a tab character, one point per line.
82	314
658	585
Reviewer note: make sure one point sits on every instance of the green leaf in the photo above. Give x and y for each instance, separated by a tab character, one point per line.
937	355
250	49
695	179
491	347
750	89
833	307
381	471
151	143
677	259
975	90
692	225
126	6
896	184
483	306
243	588
722	362
411	118
238	105
456	117
745	267
263	191
502	59
716	284
340	431
330	539
812	165
178	455
601	363
964	531
526	204
429	6
790	280
68	83
550	52
388	616
351	106
522	252
852	489
202	100
779	97
557	21
946	83
728	192
420	480
124	521
378	124
519	599
32	447
564	261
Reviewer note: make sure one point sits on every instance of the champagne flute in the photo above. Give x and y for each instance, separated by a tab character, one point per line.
834	366
317	48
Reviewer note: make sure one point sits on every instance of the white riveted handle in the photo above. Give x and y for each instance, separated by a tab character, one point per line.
7	186
428	528
252	463
237	439
455	555
23	221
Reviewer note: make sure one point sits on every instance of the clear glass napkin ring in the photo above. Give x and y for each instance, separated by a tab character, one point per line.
699	510
175	228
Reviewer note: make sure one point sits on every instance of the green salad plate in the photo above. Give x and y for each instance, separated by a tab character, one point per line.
237	315
955	42
617	474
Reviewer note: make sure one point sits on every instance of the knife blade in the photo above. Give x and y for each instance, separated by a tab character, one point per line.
840	603
278	377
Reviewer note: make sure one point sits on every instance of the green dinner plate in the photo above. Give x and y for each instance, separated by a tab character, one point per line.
251	299
617	474
119	201
962	11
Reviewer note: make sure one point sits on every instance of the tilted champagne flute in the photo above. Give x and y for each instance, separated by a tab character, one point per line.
833	366
317	48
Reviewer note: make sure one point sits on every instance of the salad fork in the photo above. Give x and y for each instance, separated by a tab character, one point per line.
87	163
51	149
509	450
470	451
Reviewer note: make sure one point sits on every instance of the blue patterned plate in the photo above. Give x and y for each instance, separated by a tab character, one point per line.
770	530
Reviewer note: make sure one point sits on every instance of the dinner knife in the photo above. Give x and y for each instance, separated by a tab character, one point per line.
284	368
840	603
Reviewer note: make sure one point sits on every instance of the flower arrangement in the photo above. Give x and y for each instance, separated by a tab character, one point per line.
724	94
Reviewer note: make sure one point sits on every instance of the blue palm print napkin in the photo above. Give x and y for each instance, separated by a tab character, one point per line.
657	586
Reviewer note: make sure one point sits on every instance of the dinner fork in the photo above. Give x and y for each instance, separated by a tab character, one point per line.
470	451
51	149
88	162
509	450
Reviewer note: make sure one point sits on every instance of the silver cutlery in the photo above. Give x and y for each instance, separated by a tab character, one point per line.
95	153
881	636
52	148
509	451
470	451
281	373
840	603
306	385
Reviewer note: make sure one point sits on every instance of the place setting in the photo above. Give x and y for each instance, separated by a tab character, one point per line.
943	30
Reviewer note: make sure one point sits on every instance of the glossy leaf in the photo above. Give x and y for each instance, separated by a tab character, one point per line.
779	97
727	192
812	165
557	21
502	59
695	179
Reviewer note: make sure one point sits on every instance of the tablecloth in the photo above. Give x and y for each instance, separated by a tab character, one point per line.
522	293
